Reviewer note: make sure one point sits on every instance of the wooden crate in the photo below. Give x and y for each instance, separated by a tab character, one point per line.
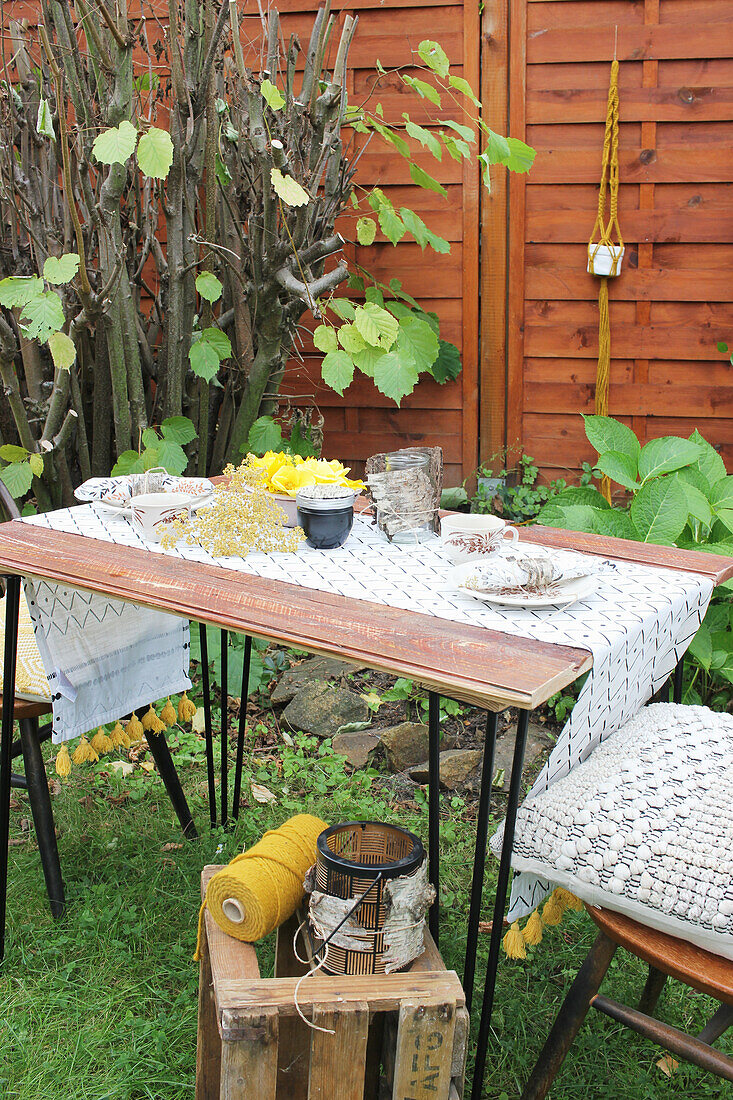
396	1036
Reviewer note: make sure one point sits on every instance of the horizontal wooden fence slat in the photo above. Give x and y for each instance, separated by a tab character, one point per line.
681	163
557	281
633	399
683	104
595	42
628	340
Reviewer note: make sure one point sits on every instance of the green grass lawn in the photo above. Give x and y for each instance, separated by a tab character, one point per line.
102	1004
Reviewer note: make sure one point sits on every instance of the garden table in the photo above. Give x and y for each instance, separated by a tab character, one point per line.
485	667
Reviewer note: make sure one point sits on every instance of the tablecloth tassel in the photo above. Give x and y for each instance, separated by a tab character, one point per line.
532	930
186	708
63	762
101	743
119	738
513	943
553	909
84	753
569	900
134	729
168	713
152	723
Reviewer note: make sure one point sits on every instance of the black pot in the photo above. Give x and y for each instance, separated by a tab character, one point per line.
326	522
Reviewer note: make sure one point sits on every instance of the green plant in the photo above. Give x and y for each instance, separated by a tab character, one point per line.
518	497
415	696
677	492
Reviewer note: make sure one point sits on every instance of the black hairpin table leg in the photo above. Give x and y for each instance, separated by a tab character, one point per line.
479	861
241	728
499	904
678	674
224	733
207	723
434	810
12	603
167	770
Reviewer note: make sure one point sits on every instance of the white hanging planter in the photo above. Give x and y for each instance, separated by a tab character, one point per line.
605	259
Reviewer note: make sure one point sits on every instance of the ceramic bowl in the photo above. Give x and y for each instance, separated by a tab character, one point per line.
466	537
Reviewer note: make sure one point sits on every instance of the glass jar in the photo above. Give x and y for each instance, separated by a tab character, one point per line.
406	498
326	517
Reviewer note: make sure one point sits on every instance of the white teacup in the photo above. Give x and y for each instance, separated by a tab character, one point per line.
473	536
151	513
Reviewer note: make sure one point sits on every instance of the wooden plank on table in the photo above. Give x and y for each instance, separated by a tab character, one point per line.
469	663
595	42
338	1061
424	1054
239	999
249	1065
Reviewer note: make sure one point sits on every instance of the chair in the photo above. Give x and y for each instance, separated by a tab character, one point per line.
666	956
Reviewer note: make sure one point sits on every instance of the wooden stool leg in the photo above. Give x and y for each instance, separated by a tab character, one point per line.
208	1046
718	1023
571	1015
40	800
652	991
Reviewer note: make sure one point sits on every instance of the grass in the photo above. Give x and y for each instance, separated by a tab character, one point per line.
102	1004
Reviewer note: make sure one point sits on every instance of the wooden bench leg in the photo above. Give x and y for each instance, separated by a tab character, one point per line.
652	990
249	1063
338	1061
208	1044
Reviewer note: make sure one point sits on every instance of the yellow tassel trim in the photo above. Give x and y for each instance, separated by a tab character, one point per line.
134	729
514	942
168	713
186	709
569	900
151	722
63	762
101	743
265	882
119	738
84	753
532	930
553	910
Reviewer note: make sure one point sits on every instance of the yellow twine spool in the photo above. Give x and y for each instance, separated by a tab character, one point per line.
263	886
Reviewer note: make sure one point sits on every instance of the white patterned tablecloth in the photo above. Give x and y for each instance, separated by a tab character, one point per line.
637	623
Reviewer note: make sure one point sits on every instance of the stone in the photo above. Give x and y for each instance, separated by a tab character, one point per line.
322	709
456	766
405	744
356	747
314	670
538	744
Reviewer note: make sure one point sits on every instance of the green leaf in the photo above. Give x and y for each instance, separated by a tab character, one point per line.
9	452
616	524
606	434
129	462
147	82
417	342
521	156
421	233
18	477
288	189
423	179
425	91
395	375
337	370
458	149
698	504
722	347
325	339
710	463
463	131
155	153
427	139
376	325
150	437
223	175
619	467
721	494
391	224
272	95
662	456
453	498
366	360
17	290
581	494
659	511
204	360
447	366
392	137
355	282
265	435
44	314
497	148
350	340
725	516
366	231
374	294
63	350
219	341
209	287
44	120
573	517
35	462
701	647
465	88
61	269
343	308
434	56
116	145
179	429
168	454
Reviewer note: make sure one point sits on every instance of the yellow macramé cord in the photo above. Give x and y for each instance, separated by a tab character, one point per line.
513	943
63	762
168	713
186	708
151	722
266	880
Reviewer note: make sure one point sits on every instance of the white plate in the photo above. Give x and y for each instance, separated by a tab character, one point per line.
114	493
564	594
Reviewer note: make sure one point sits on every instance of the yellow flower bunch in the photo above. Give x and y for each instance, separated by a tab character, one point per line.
283	473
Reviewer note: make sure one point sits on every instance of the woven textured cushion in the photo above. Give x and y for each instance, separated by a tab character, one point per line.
645	825
30	675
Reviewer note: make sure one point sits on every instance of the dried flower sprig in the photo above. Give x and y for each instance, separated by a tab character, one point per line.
243	517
